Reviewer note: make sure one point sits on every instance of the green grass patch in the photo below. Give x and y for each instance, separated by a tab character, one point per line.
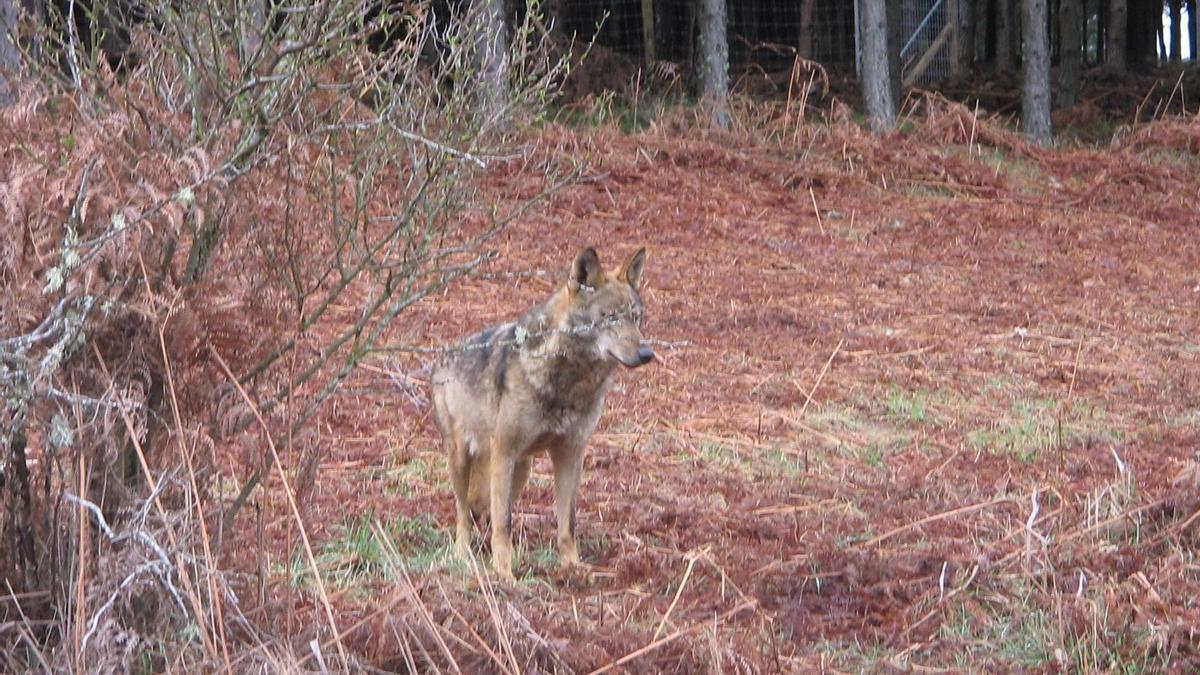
783	463
369	549
413	476
1033	425
1016	630
870	431
906	406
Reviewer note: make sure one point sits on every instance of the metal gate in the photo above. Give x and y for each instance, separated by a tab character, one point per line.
929	31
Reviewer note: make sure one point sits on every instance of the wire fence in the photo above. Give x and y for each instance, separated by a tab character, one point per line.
763	34
766	36
926	30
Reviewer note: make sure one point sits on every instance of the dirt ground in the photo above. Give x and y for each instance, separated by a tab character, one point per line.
926	402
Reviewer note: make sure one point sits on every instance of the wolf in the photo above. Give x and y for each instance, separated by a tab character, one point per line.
536	385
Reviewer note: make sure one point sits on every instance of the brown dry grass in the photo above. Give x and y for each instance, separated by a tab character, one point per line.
928	401
925	401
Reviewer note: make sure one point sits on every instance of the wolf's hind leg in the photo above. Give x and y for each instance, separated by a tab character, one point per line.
460	478
521	476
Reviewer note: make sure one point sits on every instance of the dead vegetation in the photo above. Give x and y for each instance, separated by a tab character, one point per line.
926	401
927	404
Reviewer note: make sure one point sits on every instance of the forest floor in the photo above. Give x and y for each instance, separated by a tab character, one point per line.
925	402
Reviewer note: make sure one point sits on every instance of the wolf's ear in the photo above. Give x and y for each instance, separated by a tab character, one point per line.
632	270
585	271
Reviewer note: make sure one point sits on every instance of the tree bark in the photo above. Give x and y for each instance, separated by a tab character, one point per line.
714	60
1144	32
10	56
968	16
806	29
1035	95
1070	59
649	53
956	41
985	30
491	54
876	75
1176	30
895	37
1006	28
1116	37
1193	28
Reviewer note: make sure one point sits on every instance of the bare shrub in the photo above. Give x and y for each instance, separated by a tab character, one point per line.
195	252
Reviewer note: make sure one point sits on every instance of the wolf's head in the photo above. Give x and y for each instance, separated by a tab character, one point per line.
605	307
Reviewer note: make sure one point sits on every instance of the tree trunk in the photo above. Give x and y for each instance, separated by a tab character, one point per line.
956	41
985	30
876	75
1144	33
1115	40
649	53
1176	30
1035	95
968	17
10	56
491	54
1006	28
714	60
895	38
806	29
1070	59
1193	26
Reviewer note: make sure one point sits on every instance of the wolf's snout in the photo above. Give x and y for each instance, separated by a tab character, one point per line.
631	359
645	355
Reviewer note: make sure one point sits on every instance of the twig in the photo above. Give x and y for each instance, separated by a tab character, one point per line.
163	559
214	598
816	210
1178	85
90	506
974	122
687	574
934	518
1138	112
291	498
672	637
808	395
942	601
1030	533
27	635
493	607
95	622
1074	370
838	442
436	628
438	146
1175	529
25	628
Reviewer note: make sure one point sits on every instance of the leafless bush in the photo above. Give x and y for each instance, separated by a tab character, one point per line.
195	252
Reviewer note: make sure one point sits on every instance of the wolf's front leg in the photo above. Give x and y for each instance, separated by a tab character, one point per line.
568	466
503	466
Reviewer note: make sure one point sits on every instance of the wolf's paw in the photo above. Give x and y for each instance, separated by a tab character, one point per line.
568	552
462	552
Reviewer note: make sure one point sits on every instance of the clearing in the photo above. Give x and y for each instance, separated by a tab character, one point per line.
928	401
